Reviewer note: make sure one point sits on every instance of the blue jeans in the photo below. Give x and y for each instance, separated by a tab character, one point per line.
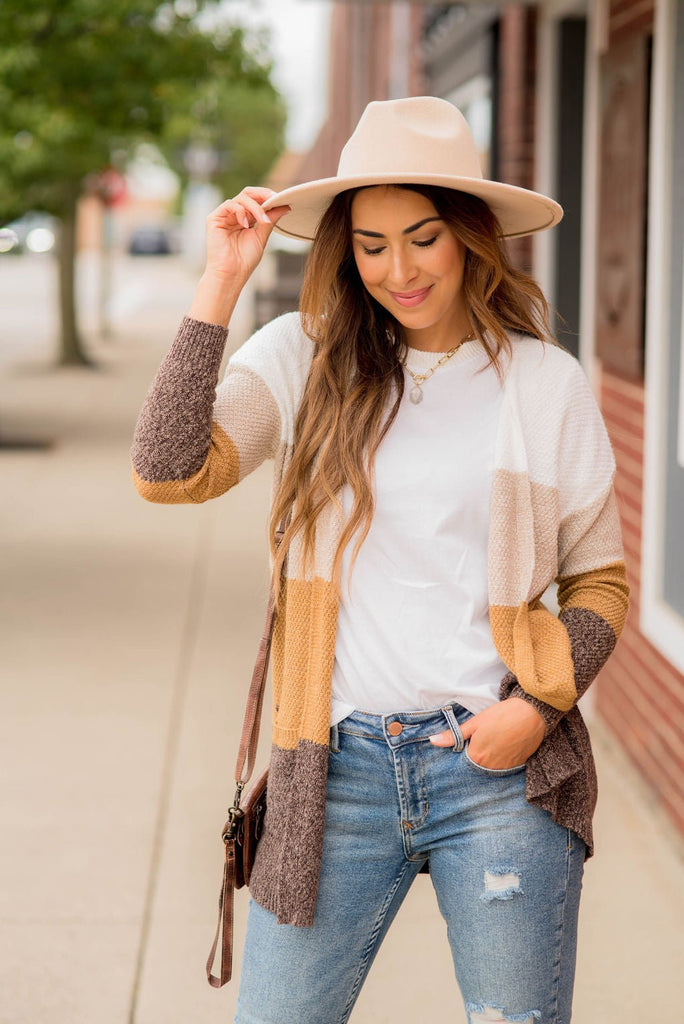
507	880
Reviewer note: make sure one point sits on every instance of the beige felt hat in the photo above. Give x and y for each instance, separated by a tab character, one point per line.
421	140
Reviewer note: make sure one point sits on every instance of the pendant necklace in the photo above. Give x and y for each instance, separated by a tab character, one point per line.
416	392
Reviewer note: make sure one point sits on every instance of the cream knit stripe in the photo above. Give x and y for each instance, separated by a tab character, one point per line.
173	431
551	426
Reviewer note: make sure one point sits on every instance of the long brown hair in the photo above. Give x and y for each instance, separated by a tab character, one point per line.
356	379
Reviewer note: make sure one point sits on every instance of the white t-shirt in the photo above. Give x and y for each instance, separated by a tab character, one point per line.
413	627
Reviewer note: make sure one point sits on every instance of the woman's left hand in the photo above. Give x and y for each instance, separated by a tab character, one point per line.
502	736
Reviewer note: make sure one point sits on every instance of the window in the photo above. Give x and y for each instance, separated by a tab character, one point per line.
663	562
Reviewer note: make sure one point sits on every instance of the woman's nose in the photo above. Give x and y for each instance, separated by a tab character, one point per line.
402	269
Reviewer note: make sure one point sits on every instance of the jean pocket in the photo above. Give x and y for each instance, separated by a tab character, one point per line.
481	770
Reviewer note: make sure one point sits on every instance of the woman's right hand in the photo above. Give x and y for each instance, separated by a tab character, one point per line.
237	232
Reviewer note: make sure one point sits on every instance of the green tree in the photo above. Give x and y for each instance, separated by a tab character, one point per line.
83	79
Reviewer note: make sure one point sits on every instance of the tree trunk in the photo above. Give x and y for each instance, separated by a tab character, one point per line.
71	348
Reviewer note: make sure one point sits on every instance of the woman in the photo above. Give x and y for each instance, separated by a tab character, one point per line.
444	462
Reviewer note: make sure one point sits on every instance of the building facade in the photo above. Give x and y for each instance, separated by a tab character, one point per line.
584	100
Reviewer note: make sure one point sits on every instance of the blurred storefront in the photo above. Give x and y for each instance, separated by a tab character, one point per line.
583	99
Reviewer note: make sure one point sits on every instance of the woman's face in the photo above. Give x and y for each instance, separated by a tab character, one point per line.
411	262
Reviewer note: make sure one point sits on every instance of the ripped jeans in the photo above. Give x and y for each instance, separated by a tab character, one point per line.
507	880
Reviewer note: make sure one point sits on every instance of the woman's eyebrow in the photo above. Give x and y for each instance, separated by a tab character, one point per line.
406	231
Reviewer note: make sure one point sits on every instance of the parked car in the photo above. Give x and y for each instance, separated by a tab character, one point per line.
150	241
34	232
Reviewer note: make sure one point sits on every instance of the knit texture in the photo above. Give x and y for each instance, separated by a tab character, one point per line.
552	517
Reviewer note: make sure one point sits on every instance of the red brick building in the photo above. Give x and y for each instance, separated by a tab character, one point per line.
583	99
639	339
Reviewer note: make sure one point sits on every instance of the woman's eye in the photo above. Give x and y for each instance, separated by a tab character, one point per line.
373	252
428	242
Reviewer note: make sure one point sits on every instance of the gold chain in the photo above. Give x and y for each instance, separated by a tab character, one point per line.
420	378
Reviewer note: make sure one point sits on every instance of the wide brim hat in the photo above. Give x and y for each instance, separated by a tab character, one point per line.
421	140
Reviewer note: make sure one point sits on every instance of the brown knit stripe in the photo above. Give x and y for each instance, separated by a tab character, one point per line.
246	409
604	592
219	472
535	646
593	640
590	536
285	875
303	658
173	431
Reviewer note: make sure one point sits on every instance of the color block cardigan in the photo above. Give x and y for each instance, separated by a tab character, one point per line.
553	517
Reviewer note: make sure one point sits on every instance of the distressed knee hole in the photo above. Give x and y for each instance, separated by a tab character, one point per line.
478	1013
501	884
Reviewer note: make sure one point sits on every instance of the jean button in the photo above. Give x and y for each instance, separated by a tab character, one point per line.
395	728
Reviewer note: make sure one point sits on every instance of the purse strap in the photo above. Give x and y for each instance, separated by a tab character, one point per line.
257	687
246	754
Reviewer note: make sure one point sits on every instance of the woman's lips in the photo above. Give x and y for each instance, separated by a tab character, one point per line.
411	298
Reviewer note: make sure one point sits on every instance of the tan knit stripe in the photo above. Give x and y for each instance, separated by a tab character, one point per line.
303	657
219	472
604	591
546	513
535	646
246	409
522	534
590	536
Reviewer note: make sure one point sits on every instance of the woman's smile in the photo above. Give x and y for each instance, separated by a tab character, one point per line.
413	298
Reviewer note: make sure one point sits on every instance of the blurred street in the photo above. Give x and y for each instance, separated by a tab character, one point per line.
128	637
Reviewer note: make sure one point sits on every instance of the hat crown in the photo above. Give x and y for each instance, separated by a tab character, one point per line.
418	135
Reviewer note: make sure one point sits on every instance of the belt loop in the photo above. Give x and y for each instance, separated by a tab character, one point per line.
459	742
335	739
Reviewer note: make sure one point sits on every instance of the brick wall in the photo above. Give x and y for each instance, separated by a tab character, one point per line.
639	693
516	74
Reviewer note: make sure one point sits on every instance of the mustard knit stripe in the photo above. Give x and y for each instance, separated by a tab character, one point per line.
303	658
166	492
220	472
603	591
535	646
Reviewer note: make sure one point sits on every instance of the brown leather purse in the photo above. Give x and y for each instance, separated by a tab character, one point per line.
244	824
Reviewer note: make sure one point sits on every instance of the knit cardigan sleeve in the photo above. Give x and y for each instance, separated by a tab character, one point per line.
193	441
592	587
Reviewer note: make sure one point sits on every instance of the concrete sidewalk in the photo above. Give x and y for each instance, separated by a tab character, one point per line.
129	632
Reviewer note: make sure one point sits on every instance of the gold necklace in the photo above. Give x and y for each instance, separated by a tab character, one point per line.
416	392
